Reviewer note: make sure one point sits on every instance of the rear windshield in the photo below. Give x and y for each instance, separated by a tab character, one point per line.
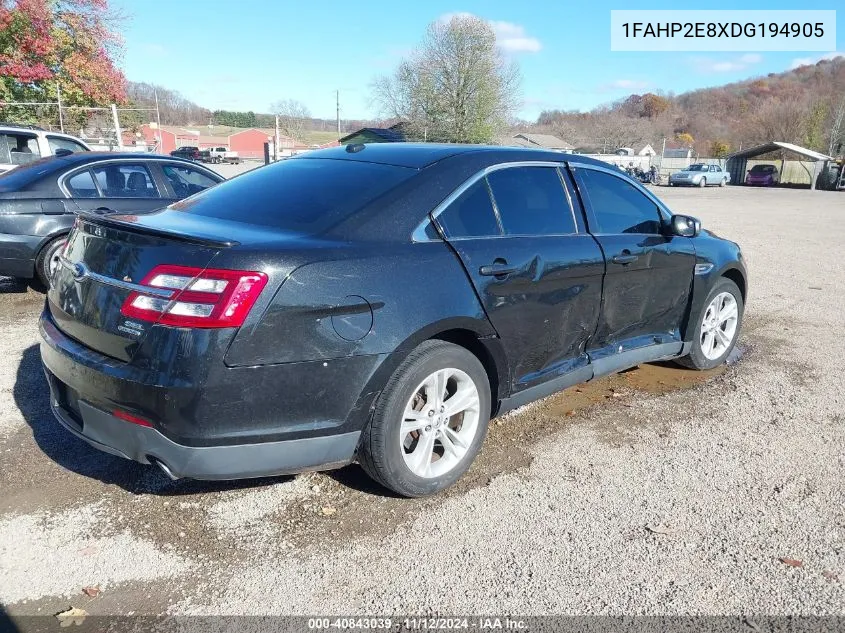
302	195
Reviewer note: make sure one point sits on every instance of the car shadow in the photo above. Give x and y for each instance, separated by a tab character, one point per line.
32	397
13	285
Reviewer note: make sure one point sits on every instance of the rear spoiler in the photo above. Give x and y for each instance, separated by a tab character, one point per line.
132	227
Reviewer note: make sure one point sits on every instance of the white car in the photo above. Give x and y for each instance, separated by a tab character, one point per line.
22	144
700	175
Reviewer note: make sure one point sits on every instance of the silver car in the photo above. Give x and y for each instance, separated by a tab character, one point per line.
700	175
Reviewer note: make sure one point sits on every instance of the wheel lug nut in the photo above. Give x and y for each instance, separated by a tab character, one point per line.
428	427
431	413
442	409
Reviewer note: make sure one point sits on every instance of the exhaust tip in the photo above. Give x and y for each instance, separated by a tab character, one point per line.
164	467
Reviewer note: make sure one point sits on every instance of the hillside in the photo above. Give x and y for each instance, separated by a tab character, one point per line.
798	106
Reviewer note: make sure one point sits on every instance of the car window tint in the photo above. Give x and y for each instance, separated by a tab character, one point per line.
56	143
186	181
302	195
471	215
531	201
619	207
82	185
125	181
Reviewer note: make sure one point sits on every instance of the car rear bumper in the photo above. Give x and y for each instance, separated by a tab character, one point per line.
112	435
284	422
17	254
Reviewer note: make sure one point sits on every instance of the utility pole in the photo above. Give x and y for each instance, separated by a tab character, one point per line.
117	131
276	141
662	151
59	99
159	149
337	98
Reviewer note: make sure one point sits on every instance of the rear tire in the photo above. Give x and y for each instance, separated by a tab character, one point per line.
47	259
403	421
710	348
723	183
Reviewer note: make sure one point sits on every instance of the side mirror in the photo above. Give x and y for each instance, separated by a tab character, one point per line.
685	226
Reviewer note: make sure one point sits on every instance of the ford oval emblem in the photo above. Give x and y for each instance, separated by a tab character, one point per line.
80	271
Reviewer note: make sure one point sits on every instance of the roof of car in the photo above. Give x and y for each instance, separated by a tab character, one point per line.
31	173
419	155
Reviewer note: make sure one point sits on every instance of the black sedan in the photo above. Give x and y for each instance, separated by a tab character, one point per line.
374	302
39	201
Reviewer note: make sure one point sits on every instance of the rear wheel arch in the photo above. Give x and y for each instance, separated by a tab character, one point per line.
472	342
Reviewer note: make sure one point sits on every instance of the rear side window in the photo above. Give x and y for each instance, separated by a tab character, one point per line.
302	195
82	185
531	201
125	181
471	215
618	206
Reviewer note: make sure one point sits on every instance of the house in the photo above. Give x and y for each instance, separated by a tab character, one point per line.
374	135
539	141
646	150
248	142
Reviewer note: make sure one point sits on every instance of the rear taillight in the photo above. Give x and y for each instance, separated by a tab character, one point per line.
207	298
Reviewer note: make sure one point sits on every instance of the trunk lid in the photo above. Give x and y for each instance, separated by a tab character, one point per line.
105	257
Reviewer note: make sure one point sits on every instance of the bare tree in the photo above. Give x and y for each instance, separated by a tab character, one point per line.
456	87
293	115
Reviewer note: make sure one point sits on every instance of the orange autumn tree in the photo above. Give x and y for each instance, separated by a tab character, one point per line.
67	43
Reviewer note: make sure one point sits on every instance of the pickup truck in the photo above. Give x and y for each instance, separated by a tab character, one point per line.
222	155
190	152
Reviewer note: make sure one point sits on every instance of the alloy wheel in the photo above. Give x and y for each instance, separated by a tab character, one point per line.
55	254
439	423
718	327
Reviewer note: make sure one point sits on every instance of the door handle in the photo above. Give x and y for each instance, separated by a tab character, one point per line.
625	258
104	209
499	269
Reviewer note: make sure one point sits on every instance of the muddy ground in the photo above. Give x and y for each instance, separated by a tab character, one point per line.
660	490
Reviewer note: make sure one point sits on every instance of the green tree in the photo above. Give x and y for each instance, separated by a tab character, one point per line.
455	87
47	45
719	149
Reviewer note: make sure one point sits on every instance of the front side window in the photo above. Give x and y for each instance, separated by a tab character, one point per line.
125	181
697	168
57	142
471	215
531	201
82	185
618	206
186	181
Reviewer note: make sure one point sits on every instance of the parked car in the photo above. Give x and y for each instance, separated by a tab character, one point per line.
222	154
764	175
700	175
24	144
188	152
349	303
39	201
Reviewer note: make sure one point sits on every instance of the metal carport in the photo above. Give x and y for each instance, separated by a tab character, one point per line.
737	162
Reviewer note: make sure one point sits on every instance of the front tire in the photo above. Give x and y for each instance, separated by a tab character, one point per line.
716	327
48	259
429	422
702	182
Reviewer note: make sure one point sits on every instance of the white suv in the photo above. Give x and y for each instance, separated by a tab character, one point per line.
22	144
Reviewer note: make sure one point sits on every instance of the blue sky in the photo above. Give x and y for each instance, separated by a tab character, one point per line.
246	54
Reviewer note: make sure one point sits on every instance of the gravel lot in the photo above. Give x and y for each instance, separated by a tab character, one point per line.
660	491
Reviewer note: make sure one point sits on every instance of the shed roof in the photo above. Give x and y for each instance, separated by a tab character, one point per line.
778	145
548	141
